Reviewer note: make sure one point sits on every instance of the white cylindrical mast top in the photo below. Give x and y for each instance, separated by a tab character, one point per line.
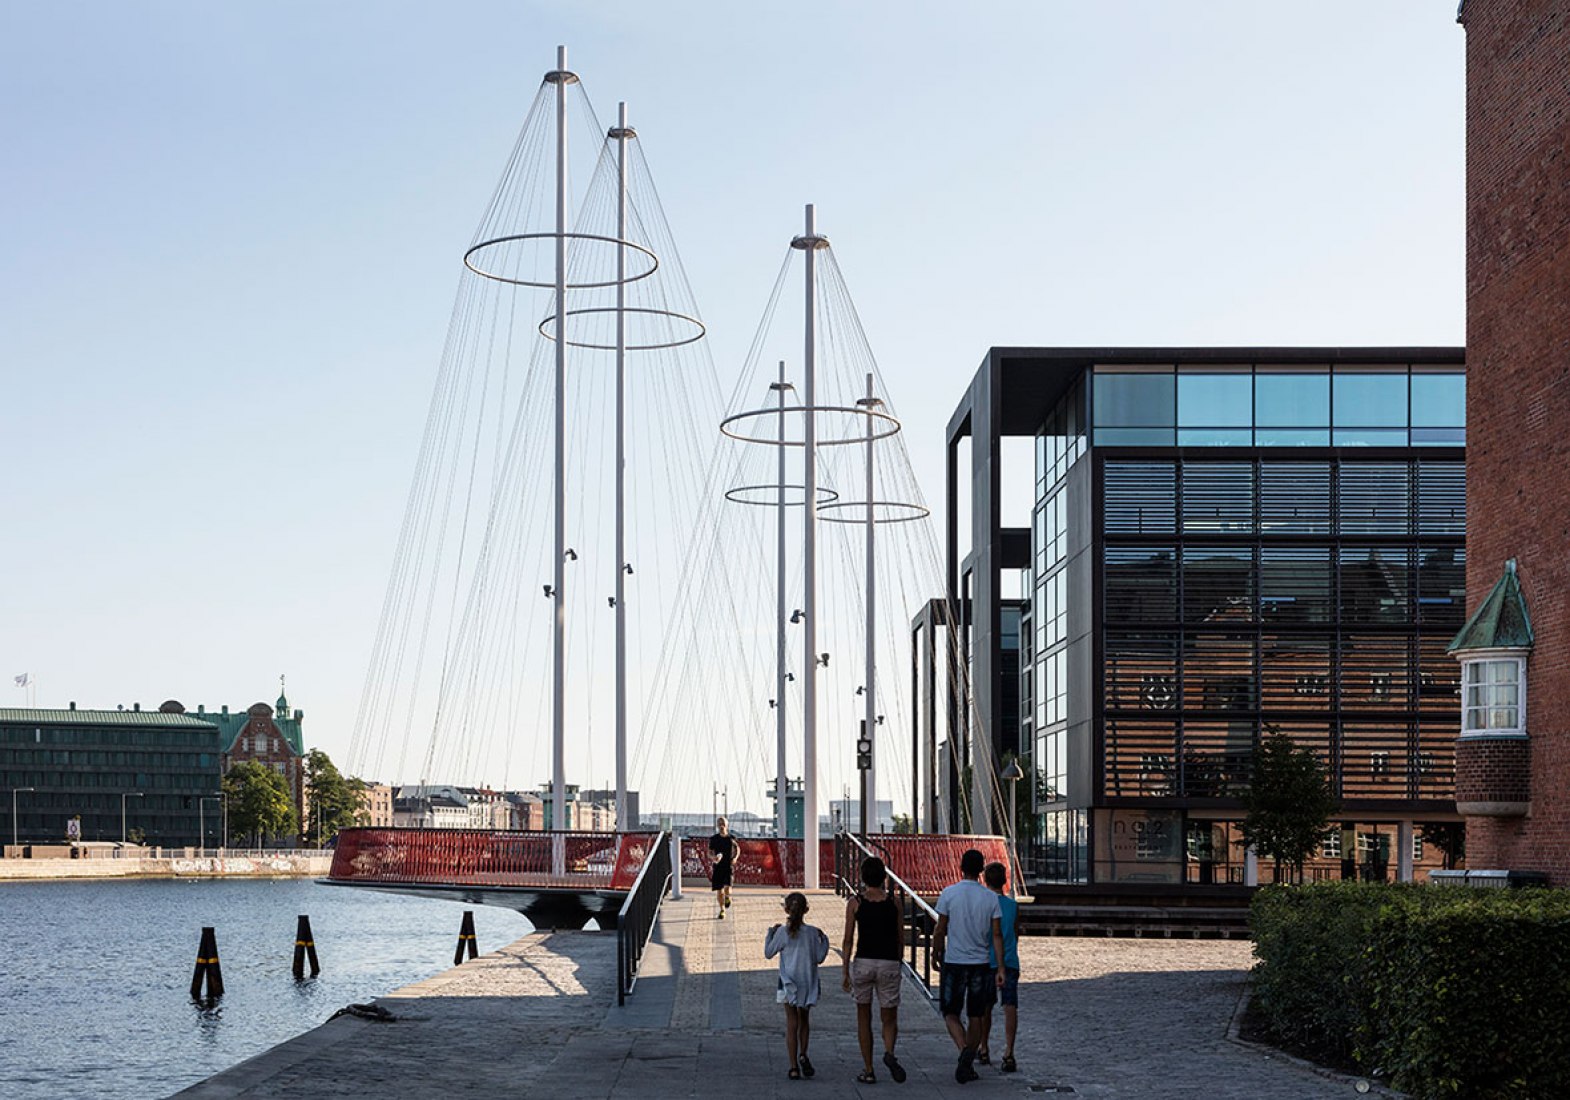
869	787
621	133
810	242
781	783
559	636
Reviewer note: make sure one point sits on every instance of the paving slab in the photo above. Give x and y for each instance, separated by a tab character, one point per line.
1100	1018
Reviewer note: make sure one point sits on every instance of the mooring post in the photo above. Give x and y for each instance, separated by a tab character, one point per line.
207	970
466	936
304	944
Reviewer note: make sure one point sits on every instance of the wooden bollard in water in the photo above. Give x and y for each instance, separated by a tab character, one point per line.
304	945
207	970
466	936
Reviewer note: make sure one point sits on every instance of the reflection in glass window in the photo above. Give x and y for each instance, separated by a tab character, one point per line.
1295	584
1370	437
1291	437
1140	584
1215	400
1438	400
1134	437
1061	440
1134	400
1370	400
1292	400
1218	584
1294	498
1214	437
1009	621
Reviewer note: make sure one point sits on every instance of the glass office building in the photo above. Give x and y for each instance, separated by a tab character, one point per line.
143	772
1225	543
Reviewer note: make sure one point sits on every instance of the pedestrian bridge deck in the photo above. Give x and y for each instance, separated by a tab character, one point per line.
563	879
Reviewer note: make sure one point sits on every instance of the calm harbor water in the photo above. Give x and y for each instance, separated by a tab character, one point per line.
95	976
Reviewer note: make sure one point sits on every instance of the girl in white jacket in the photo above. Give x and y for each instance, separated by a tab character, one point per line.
801	947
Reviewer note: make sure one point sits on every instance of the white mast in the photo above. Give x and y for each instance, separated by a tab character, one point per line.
559	637
621	133
869	782
781	784
810	242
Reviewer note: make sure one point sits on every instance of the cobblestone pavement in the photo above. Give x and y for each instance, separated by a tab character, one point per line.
1146	1019
1102	1018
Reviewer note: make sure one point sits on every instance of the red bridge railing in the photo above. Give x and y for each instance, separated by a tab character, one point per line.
484	857
611	861
927	862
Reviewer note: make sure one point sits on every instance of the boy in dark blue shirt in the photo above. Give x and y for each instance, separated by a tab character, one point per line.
996	876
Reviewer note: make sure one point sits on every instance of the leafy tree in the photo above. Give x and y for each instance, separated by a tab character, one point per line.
259	802
1449	837
1289	802
902	824
335	799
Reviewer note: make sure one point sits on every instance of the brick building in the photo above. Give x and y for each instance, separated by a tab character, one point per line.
272	736
1518	355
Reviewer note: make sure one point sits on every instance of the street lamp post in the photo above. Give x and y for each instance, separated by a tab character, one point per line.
14	792
123	796
201	817
1014	773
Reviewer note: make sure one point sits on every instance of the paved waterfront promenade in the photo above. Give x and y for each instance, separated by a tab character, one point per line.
1104	1018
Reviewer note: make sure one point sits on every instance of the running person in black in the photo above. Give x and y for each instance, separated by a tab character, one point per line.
723	848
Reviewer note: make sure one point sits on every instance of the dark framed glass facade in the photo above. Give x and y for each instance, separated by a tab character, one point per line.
81	762
1223	541
1058	850
1234	613
1268	405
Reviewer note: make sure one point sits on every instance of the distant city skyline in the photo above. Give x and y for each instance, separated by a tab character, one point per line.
231	239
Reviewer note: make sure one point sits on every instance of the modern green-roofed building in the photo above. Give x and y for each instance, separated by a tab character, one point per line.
143	772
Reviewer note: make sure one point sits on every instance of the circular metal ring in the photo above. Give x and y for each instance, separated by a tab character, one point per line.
888	427
645	310
471	262
900	511
740	495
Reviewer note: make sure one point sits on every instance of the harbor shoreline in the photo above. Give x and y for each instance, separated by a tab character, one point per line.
171	867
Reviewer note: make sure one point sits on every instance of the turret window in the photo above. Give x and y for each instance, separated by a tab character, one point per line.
1495	697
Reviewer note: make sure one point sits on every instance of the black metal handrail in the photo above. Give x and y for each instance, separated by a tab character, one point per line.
635	921
917	918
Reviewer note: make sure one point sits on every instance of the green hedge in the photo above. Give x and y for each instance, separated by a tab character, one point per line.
1447	991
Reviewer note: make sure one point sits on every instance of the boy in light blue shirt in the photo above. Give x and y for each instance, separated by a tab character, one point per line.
996	876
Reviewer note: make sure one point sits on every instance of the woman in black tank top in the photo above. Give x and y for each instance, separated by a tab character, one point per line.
871	952
878	928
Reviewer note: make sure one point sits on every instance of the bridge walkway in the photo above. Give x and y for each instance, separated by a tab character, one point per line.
703	1019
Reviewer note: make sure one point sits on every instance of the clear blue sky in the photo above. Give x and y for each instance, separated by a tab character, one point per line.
230	236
